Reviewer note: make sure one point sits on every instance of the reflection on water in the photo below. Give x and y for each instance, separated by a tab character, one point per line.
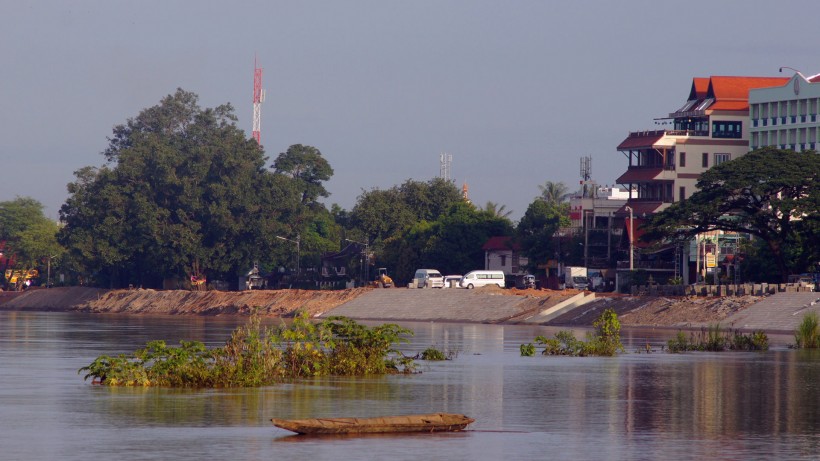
634	406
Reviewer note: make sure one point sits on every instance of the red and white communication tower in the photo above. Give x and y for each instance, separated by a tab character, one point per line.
258	99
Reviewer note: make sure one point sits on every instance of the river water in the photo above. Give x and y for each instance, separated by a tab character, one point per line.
636	406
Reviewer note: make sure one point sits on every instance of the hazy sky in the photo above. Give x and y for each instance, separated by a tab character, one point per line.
516	92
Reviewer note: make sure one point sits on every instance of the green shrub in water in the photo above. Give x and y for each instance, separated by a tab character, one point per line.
715	339
258	356
606	340
807	334
433	354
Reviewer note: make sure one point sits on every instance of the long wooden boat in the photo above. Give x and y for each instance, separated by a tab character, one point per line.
435	422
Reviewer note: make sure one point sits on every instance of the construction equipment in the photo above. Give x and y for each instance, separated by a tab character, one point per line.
382	280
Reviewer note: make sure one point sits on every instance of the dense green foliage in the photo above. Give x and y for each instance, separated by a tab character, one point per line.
807	334
451	244
605	341
184	190
424	224
258	356
771	194
537	228
716	339
27	237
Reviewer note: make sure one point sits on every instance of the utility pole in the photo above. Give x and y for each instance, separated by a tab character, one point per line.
258	99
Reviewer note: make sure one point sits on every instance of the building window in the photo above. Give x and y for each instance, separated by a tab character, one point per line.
720	158
682	159
705	160
682	193
503	260
725	129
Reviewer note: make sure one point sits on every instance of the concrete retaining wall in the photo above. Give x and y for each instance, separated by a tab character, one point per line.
754	289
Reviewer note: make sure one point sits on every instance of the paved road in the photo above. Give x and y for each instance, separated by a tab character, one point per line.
450	304
780	312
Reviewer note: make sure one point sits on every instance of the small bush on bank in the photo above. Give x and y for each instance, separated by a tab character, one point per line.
258	356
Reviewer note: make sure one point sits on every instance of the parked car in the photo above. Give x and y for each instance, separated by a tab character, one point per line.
476	279
452	281
428	278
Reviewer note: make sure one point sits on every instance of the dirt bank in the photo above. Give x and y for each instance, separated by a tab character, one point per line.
632	310
180	302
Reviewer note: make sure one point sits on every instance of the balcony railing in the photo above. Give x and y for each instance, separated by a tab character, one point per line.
688	133
656	265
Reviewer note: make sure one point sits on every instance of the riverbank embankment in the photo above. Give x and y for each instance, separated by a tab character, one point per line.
779	312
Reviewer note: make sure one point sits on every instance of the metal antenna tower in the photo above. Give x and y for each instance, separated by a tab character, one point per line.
258	99
586	175
445	168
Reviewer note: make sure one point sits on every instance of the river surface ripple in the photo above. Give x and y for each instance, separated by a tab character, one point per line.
636	406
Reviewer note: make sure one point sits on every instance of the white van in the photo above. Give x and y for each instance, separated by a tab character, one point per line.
482	278
428	278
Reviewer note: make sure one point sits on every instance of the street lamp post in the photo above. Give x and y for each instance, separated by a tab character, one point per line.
366	260
48	277
298	256
631	236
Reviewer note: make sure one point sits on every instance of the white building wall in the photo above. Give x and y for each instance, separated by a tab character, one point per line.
786	117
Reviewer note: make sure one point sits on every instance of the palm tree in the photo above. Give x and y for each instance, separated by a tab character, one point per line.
497	210
554	192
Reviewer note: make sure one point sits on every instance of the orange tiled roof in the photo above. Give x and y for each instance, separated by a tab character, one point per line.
736	90
729	105
700	85
738	87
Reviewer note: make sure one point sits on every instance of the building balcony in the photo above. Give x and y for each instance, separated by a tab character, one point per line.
647	173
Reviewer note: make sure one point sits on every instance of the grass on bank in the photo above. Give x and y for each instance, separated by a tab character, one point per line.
258	356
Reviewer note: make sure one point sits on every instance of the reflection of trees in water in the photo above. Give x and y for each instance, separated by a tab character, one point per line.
366	396
725	395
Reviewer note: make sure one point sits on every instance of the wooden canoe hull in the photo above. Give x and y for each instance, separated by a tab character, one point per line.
435	422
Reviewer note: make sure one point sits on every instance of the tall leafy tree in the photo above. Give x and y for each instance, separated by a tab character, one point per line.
771	194
537	229
382	214
306	165
183	188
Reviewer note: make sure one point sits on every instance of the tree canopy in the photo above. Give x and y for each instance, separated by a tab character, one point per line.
183	188
451	244
553	192
308	168
381	214
769	193
27	237
537	229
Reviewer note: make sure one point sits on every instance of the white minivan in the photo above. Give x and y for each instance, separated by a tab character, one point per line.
428	278
482	278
